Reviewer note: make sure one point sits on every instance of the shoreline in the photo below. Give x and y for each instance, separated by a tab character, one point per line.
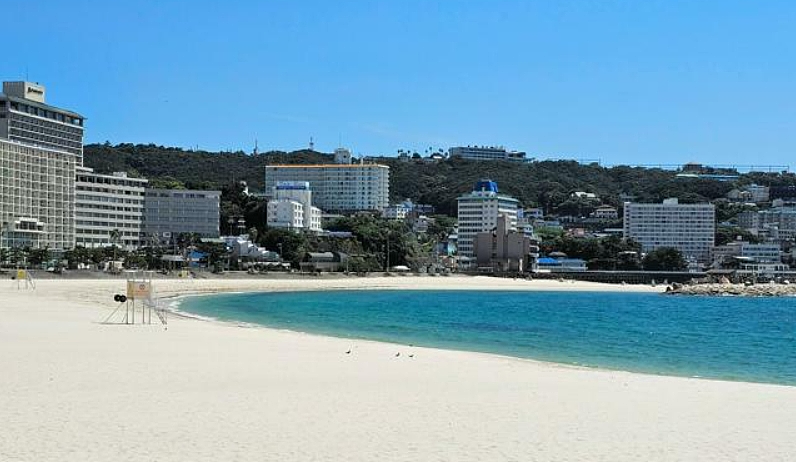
210	391
536	361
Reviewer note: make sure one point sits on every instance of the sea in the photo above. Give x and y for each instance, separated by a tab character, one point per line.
728	338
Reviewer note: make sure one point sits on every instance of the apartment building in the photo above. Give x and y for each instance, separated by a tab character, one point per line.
37	196
106	205
776	223
337	188
485	153
291	207
758	253
25	117
504	249
478	212
689	228
171	212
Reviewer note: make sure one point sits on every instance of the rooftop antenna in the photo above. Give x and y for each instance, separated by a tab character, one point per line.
312	144
255	147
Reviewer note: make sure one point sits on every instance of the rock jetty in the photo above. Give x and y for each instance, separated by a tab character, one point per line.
747	290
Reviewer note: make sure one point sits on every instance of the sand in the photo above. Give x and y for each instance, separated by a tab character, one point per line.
72	389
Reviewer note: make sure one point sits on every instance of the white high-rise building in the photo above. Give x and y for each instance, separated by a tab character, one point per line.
25	117
478	212
40	148
37	196
291	207
107	204
689	228
337	187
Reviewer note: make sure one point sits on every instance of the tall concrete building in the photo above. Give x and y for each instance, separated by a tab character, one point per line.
25	117
478	212
504	249
291	207
689	228
337	187
40	148
170	212
485	153
106	204
37	196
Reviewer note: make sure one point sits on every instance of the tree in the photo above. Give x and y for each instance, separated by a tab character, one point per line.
115	236
291	245
38	256
77	256
215	251
664	259
726	235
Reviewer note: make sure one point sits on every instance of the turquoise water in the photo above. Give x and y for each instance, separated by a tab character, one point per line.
732	338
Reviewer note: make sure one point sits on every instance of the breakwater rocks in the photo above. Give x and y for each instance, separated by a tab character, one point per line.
753	290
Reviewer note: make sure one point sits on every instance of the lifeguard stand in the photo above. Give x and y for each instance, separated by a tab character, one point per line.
24	279
140	298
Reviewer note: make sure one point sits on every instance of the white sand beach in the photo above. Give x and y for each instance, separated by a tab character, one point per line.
73	389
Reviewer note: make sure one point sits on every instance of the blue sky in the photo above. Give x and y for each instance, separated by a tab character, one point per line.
624	81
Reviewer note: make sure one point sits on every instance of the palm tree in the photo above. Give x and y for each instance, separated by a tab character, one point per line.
115	234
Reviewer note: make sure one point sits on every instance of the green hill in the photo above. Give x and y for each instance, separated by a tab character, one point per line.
547	183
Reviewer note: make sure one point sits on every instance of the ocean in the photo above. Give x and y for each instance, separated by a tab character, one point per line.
729	338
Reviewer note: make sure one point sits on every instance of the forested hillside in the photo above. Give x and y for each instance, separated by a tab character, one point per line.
547	184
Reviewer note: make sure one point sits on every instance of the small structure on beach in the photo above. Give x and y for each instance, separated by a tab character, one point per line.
324	261
140	297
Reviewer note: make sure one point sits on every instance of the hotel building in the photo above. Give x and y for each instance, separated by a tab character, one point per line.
37	196
25	117
291	207
337	187
171	212
689	228
478	212
106	204
485	153
40	149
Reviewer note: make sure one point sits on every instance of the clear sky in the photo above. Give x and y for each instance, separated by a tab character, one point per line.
631	81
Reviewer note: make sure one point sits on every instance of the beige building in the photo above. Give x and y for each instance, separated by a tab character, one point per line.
504	249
